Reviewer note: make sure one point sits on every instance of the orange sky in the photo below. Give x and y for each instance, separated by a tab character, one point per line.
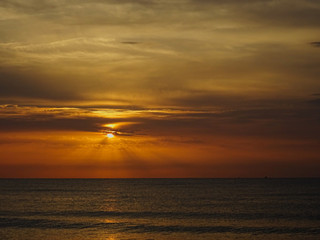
189	88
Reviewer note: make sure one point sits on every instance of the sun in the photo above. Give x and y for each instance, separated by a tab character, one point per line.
110	135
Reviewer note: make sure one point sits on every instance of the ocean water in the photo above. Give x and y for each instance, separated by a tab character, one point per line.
145	209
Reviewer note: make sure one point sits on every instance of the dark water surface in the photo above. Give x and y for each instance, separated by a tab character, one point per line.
146	209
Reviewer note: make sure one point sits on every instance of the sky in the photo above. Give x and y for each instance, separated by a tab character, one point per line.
186	88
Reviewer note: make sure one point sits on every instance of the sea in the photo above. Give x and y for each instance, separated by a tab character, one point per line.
146	209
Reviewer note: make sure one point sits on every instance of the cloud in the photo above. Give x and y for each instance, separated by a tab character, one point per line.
315	102
215	45
247	118
18	124
266	13
130	42
20	83
315	44
284	12
203	99
215	53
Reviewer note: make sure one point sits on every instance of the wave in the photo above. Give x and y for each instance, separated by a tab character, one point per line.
145	228
169	215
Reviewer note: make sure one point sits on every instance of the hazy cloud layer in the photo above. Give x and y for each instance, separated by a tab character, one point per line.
228	80
150	52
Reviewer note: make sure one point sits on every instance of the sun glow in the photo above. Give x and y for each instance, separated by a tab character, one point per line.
110	135
118	124
112	125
